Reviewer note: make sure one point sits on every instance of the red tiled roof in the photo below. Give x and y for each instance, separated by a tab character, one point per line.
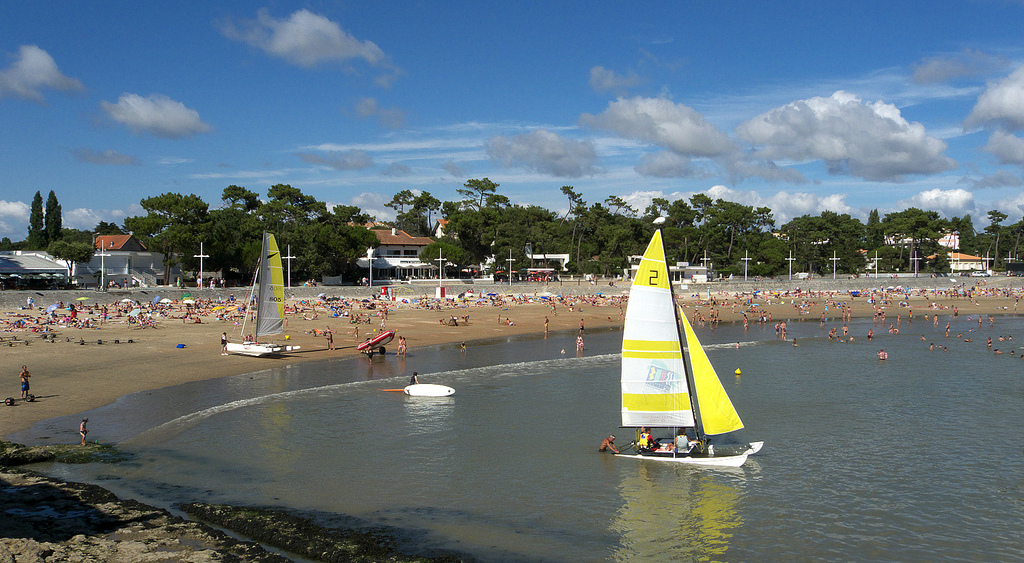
114	242
400	238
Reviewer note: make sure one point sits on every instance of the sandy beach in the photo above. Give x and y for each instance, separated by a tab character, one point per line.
79	369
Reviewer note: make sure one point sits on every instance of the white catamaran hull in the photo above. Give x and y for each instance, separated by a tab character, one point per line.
253	349
715	460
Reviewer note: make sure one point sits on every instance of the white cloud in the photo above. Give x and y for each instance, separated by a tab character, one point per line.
108	156
870	141
14	210
392	118
603	79
663	123
33	70
1008	148
545	152
305	39
784	205
340	160
969	62
87	219
157	115
950	203
1001	104
374	204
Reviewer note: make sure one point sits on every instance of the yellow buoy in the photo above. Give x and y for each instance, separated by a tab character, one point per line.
737	371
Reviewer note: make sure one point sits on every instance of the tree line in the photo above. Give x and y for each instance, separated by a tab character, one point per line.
599	237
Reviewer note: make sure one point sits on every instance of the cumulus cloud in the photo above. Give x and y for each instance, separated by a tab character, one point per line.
396	169
157	115
34	69
392	118
108	156
340	160
944	68
868	140
784	205
454	169
602	79
306	39
87	219
661	122
1001	104
374	204
545	152
950	203
1008	148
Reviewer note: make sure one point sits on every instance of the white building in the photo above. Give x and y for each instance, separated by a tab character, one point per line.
398	256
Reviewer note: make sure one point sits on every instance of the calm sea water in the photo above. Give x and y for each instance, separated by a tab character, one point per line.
915	458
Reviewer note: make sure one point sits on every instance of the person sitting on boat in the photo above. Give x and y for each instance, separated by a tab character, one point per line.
683	443
646	441
608	444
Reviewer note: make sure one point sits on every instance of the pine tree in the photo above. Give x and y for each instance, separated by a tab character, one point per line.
53	218
36	232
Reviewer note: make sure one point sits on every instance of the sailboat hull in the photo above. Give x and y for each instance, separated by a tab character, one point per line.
254	349
718	461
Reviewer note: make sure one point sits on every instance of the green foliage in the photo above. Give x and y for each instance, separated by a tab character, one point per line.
53	220
36	229
105	228
71	252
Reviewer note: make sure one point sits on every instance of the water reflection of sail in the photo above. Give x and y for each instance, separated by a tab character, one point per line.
671	513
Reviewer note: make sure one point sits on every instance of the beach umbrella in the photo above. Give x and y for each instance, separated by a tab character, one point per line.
166	301
127	301
134	313
156	299
188	301
82	299
51	308
218	308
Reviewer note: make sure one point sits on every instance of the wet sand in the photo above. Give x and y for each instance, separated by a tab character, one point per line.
74	373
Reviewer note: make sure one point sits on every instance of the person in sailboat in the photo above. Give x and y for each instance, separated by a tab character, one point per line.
683	442
646	441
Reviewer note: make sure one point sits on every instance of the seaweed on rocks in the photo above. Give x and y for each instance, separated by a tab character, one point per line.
16	454
305	538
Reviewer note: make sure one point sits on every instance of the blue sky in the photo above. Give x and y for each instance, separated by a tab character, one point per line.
799	106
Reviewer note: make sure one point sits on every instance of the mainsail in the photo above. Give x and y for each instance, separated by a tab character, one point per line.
270	304
654	388
717	415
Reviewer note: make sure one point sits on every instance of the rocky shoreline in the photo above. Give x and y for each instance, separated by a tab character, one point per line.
44	519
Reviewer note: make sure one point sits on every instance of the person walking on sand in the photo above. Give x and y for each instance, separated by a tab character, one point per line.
83	430
24	381
223	344
330	338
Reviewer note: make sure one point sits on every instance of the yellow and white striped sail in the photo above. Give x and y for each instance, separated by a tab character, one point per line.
717	415
654	389
270	308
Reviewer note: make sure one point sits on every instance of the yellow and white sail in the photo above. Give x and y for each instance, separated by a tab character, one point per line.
654	388
717	415
270	307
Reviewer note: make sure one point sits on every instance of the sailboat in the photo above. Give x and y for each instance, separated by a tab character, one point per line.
659	390
268	286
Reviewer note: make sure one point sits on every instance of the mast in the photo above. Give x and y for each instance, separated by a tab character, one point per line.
687	367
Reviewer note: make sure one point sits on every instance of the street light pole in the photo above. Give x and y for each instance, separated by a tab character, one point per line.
200	256
289	258
369	262
509	267
103	268
746	262
834	260
790	260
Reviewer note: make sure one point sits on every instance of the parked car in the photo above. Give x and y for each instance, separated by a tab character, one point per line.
981	274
